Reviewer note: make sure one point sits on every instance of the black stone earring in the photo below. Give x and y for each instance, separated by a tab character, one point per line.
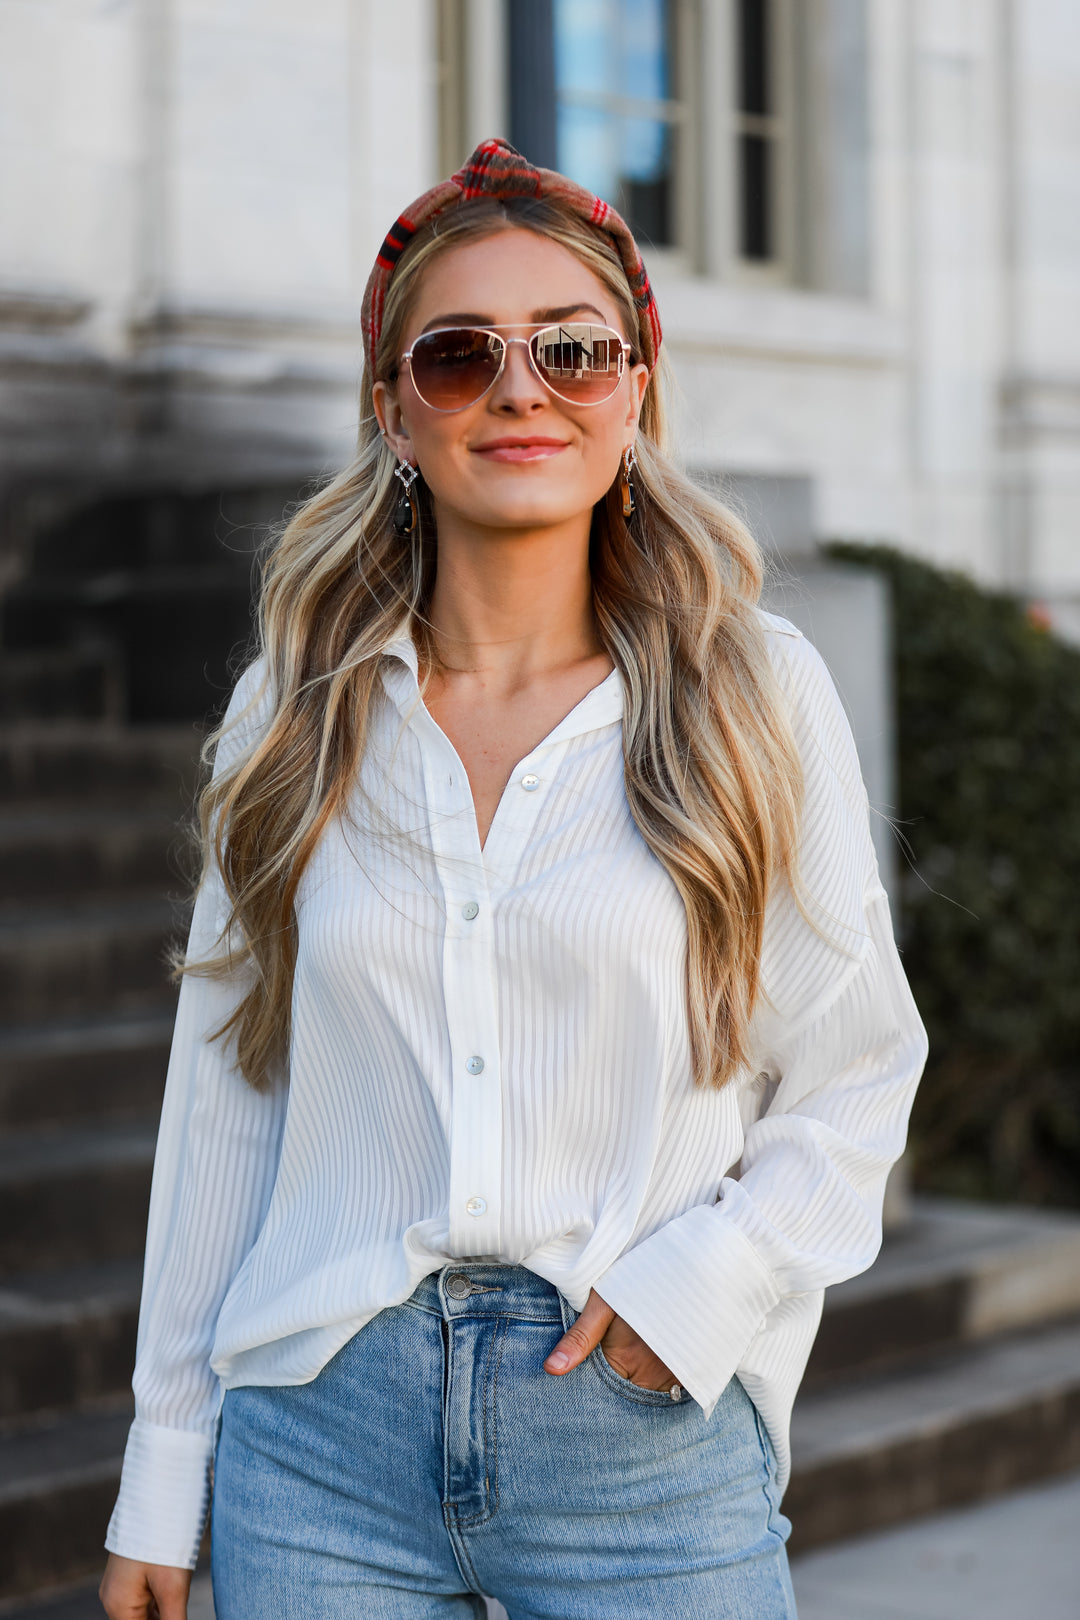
405	515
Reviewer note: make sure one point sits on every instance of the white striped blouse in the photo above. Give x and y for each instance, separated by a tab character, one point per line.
490	1057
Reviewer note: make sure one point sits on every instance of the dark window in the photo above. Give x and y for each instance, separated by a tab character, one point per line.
755	196
754	53
617	113
532	80
758	130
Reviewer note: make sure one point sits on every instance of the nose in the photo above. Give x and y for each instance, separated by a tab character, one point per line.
519	389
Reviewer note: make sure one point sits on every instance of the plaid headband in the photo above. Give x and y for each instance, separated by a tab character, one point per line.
496	170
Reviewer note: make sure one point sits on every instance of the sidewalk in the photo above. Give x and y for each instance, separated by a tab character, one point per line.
1016	1556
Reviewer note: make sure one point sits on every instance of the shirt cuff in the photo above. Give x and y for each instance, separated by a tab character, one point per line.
697	1292
160	1512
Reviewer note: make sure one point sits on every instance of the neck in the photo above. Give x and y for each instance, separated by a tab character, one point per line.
513	605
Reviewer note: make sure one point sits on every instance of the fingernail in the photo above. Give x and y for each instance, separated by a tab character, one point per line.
557	1361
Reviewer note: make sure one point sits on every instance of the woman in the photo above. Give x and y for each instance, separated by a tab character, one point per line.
542	1047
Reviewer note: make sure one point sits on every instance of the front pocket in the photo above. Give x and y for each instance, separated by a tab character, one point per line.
630	1391
607	1374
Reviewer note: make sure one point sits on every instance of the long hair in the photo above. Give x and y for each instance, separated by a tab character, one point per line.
712	774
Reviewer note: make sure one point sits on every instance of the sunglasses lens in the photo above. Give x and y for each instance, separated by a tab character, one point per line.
453	368
579	362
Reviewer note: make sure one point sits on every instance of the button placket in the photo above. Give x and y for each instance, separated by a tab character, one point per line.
469	1000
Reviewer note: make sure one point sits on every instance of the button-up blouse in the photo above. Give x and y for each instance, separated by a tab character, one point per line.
490	1057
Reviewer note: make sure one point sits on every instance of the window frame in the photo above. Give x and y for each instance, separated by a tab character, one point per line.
473	97
471	82
781	128
679	113
451	83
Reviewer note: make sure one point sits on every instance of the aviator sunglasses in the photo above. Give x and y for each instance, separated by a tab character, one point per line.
456	365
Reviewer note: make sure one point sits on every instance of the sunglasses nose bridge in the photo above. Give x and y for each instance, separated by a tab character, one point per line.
532	370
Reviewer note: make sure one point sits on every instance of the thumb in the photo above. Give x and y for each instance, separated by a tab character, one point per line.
582	1337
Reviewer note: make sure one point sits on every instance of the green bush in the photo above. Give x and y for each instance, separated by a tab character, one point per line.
989	767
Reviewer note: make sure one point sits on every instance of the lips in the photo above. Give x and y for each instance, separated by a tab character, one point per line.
534	448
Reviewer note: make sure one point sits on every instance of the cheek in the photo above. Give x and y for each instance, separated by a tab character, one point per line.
436	439
604	441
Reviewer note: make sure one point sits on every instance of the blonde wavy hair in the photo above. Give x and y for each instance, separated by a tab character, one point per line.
712	774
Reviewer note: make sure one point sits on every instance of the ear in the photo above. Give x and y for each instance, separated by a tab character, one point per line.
639	381
391	420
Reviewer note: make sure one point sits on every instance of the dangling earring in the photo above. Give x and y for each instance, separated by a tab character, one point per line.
629	505
405	510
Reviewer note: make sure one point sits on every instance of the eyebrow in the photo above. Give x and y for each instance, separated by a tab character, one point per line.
539	317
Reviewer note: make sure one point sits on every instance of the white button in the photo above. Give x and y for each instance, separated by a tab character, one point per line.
475	1065
470	911
475	1206
530	782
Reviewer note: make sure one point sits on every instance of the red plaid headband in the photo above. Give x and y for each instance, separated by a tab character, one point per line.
496	170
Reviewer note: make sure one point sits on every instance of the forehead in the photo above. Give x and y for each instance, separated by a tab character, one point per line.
506	279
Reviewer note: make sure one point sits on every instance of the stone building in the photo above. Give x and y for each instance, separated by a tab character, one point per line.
864	217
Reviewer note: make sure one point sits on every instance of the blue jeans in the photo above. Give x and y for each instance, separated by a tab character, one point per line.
433	1460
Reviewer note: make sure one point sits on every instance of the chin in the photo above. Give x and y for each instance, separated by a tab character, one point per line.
528	515
519	508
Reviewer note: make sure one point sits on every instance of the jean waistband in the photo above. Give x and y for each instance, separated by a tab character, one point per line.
486	1288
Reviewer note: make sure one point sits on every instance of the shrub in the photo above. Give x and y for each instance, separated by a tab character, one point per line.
989	768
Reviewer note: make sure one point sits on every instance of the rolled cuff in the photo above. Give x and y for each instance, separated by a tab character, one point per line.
164	1495
697	1292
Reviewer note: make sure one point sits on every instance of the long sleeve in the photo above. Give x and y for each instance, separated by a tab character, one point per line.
214	1169
840	1046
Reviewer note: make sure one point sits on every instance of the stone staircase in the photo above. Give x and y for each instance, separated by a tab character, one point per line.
89	853
949	1372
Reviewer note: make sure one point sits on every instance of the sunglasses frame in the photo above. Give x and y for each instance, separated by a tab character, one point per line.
507	343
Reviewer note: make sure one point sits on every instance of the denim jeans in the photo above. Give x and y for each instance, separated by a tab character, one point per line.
433	1460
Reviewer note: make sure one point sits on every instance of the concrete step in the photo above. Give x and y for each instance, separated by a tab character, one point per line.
67	961
89	1068
58	1480
77	1600
51	853
957	1273
957	1428
82	683
67	1336
70	1197
99	764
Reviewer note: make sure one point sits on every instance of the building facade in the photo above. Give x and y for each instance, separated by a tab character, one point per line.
864	218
